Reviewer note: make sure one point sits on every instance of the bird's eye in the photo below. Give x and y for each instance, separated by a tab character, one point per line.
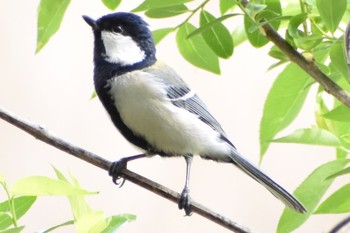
118	29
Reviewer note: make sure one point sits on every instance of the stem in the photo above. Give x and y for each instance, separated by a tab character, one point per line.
325	34
303	10
13	212
70	222
11	203
192	13
241	4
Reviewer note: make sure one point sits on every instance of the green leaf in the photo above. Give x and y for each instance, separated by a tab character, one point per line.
78	204
290	40
239	35
93	95
67	223
159	34
283	103
345	137
5	219
152	4
211	24
267	13
43	186
59	174
165	12
312	136
226	5
111	4
309	41
300	39
195	50
340	113
341	154
2	179
271	10
281	62
310	192
86	219
320	110
276	53
91	222
294	23
21	206
217	37
50	15
338	202
338	59
252	9
339	129
114	222
345	171
13	230
255	37
331	12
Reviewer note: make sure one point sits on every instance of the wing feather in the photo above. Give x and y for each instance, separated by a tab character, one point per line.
183	97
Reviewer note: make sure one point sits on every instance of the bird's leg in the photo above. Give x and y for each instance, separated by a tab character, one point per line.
115	170
185	199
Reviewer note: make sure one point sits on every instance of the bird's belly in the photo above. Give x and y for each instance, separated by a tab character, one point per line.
170	129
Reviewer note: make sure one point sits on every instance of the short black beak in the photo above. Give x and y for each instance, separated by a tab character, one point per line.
90	21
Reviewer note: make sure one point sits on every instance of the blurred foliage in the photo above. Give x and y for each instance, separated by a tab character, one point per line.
24	192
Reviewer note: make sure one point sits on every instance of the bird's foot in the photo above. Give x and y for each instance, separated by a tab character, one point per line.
115	170
185	201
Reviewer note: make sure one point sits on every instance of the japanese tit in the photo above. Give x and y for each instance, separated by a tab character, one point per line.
154	109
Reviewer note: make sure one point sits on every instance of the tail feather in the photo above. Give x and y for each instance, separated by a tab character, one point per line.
288	199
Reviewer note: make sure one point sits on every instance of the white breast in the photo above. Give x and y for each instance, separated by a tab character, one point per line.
144	107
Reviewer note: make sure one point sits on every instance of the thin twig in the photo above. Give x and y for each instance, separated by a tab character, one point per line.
341	225
308	66
40	133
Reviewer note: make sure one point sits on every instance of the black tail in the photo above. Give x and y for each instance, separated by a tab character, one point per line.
279	192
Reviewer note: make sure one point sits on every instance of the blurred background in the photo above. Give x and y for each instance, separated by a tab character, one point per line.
53	88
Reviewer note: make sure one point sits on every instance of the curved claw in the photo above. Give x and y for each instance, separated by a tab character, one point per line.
116	168
185	201
115	171
120	180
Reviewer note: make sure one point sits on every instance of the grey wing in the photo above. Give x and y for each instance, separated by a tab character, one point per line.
183	97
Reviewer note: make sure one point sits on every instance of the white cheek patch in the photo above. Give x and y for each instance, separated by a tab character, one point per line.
121	49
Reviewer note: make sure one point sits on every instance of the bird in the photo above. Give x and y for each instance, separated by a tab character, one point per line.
154	108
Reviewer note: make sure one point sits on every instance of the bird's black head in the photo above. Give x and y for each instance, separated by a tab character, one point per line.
122	39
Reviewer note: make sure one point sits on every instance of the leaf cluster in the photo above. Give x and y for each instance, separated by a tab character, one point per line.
24	193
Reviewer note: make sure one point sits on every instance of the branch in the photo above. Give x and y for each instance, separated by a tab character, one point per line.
341	225
43	135
308	66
